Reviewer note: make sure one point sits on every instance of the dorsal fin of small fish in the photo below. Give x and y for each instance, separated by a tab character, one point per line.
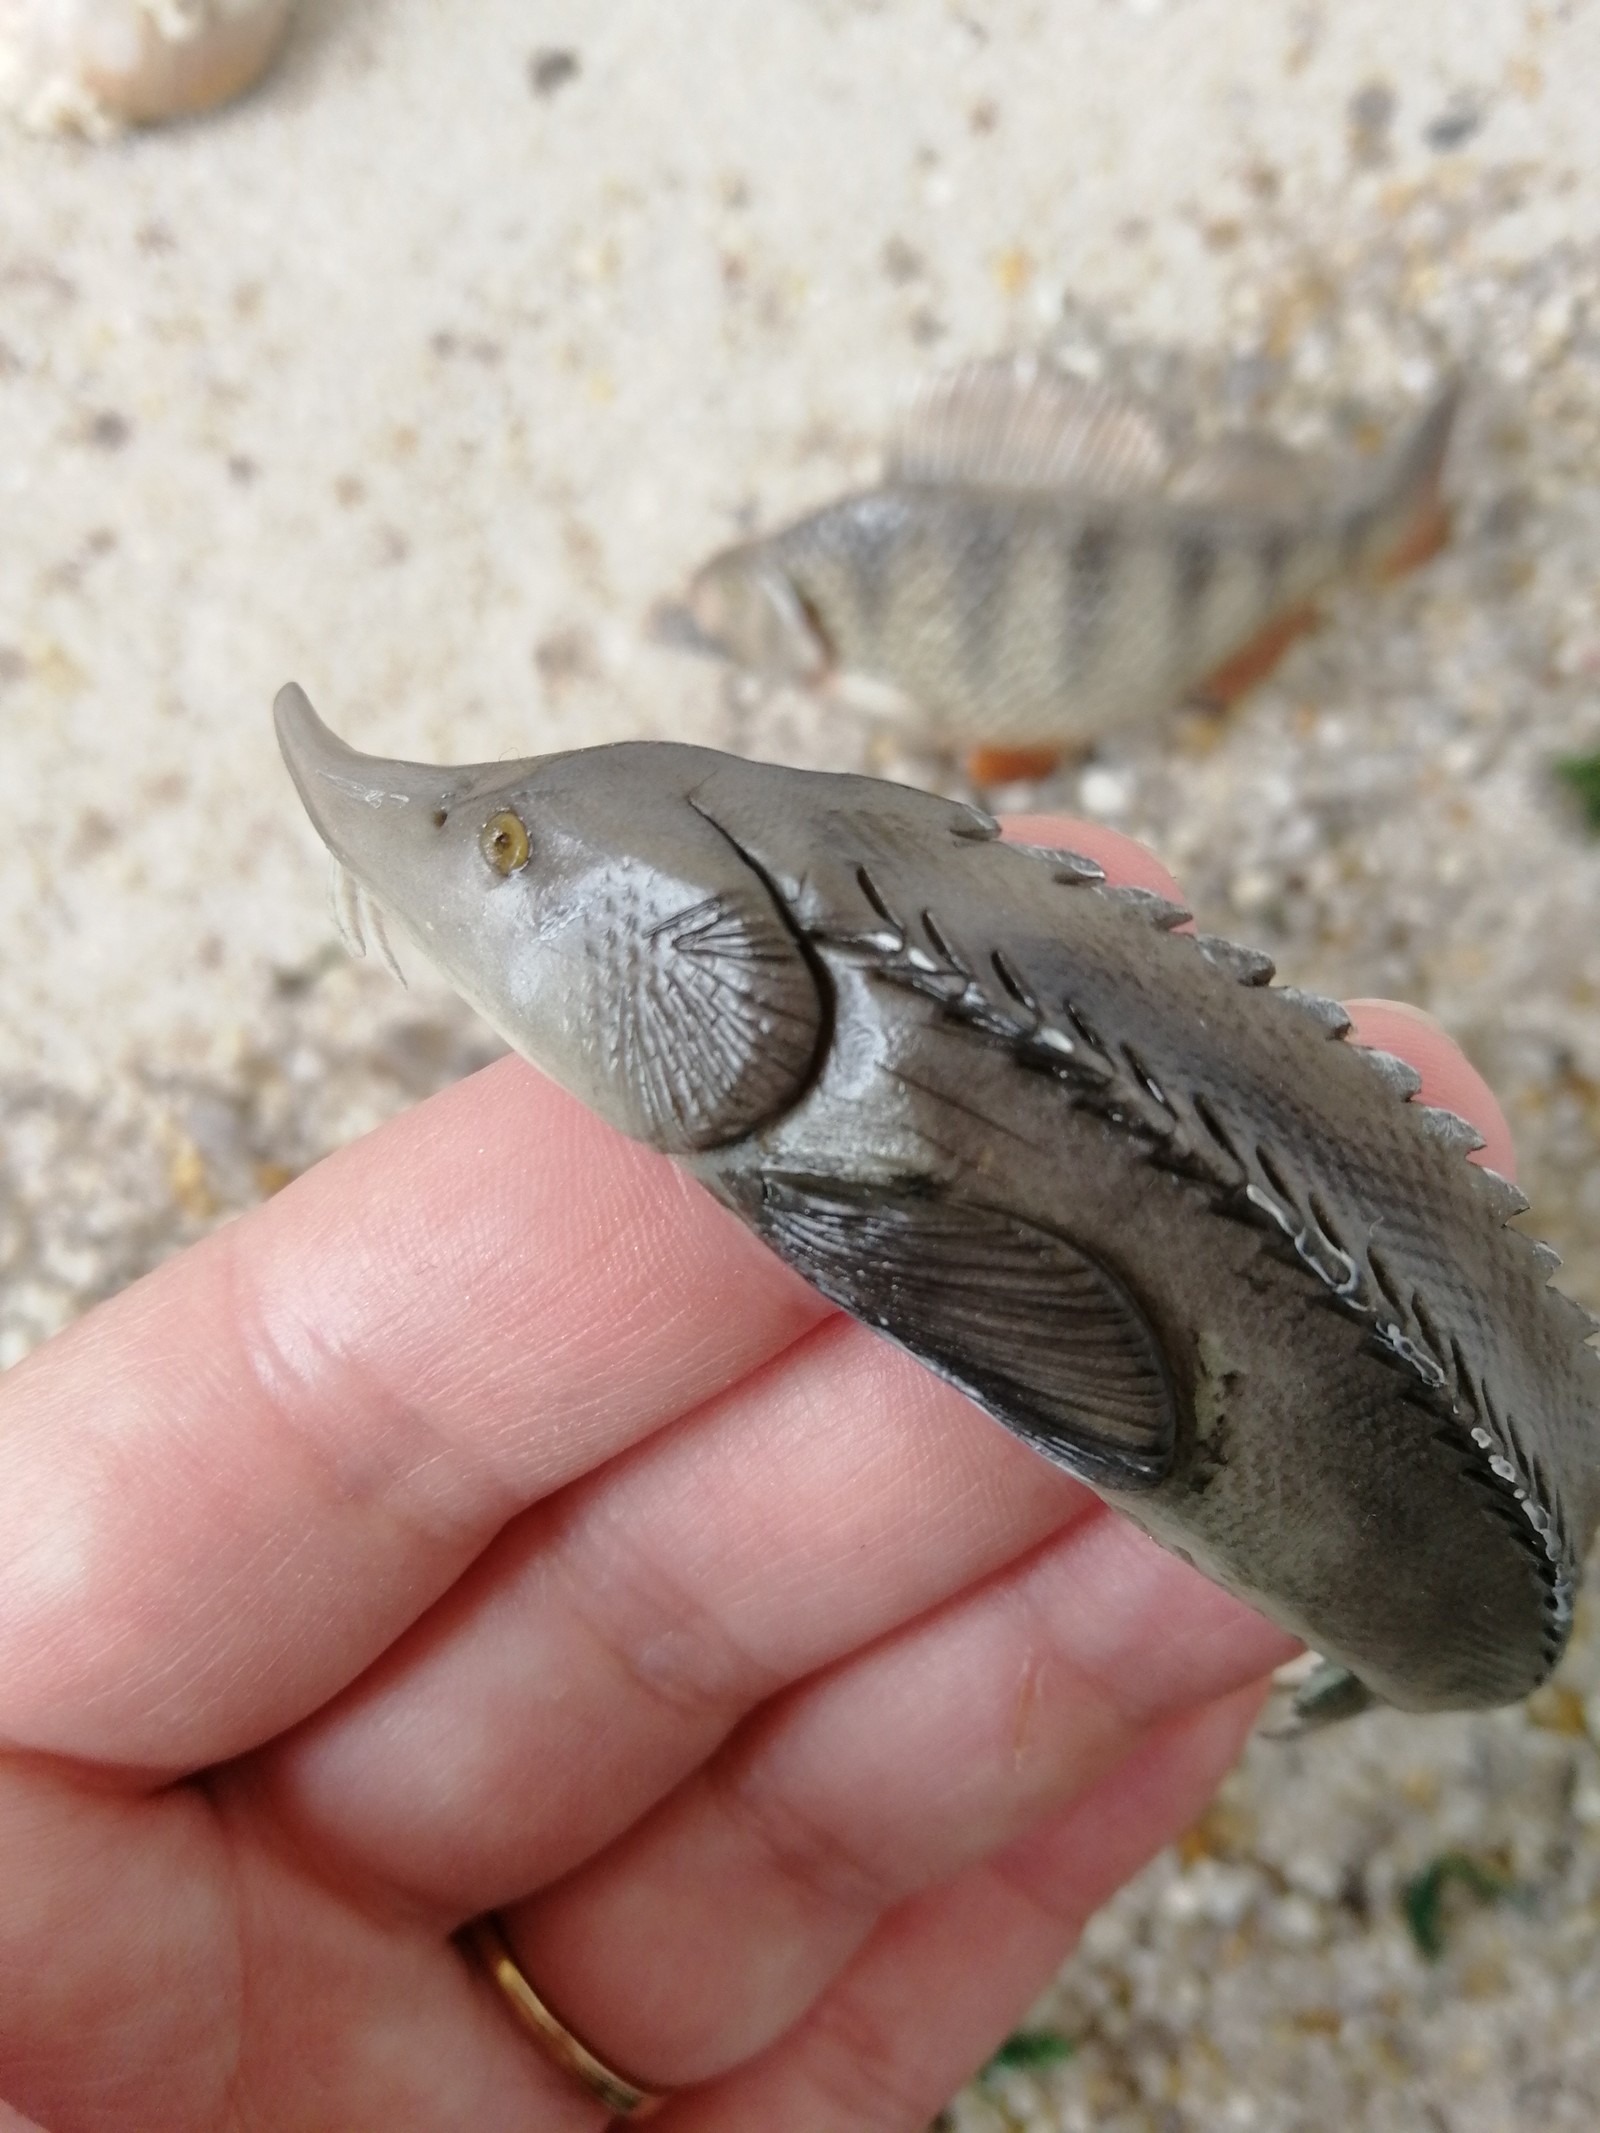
1014	422
1248	471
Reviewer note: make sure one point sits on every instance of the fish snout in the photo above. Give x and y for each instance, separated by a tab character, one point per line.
375	815
744	605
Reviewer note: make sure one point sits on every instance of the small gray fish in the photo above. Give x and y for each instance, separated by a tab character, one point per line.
1142	1206
1033	571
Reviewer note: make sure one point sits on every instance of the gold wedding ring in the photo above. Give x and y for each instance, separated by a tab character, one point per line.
622	2097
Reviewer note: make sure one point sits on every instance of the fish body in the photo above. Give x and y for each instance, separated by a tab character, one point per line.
1147	1209
1014	597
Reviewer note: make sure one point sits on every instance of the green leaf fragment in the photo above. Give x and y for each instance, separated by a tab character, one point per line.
1423	1896
1027	2050
1581	774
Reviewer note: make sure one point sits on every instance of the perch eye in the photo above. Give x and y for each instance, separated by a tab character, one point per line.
504	842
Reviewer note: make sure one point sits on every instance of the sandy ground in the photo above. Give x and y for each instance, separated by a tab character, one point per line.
421	374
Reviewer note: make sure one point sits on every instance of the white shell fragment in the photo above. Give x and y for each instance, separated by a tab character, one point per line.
92	66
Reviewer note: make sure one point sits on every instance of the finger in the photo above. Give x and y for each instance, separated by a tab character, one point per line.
248	1473
945	1978
707	1931
1449	1079
639	1616
162	1968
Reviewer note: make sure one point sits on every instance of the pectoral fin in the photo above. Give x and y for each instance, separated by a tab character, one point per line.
1045	1338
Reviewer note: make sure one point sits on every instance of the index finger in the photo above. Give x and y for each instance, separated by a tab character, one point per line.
223	1492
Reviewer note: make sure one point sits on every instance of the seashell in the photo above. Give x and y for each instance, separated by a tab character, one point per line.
93	66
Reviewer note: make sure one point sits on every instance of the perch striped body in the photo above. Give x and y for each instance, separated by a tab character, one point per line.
1030	576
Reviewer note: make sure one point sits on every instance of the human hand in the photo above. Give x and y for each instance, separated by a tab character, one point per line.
489	1522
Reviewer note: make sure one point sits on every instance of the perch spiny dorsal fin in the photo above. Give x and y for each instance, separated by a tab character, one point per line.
1015	422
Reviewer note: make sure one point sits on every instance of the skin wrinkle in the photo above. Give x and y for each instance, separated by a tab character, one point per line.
827	1869
602	1271
829	1873
1098	1590
247	1811
846	1877
860	2072
637	1477
329	2045
920	1953
285	1394
334	1382
176	1666
178	1915
306	1819
600	1522
734	1681
648	1486
231	2110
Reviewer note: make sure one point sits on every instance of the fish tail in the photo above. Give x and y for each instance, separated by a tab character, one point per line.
1403	519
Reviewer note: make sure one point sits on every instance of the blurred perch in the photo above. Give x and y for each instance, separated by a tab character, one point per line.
92	66
1034	570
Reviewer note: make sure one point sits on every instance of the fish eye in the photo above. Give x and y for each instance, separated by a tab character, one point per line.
503	841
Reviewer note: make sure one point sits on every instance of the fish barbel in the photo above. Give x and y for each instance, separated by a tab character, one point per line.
1032	572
